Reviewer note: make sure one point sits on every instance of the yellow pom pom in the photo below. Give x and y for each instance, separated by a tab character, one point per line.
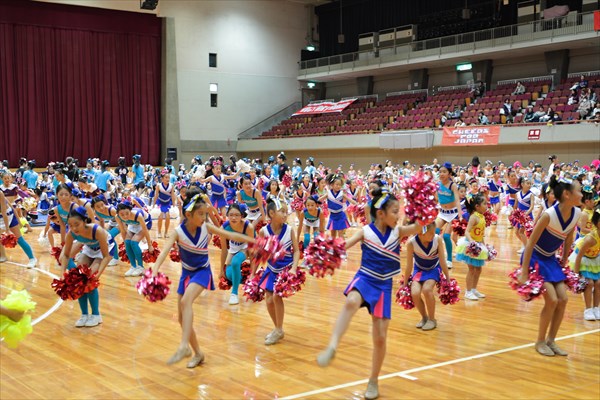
18	300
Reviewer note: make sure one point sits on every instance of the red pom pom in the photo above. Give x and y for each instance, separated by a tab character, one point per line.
261	224
8	240
246	270
359	213
123	253
404	295
286	181
473	249
55	252
574	282
150	258
153	288
420	194
288	284
518	217
216	241
490	217
297	204
448	290
75	283
528	227
266	248
530	290
252	291
492	252
459	226
225	284
325	255
174	254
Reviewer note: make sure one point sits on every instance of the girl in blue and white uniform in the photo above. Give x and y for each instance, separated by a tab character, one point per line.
311	217
217	184
449	201
164	198
253	200
524	202
135	225
10	222
336	200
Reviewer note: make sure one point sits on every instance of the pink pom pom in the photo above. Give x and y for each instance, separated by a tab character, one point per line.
252	291
297	204
246	271
574	282
288	284
148	257
448	290
266	248
75	283
459	226
8	240
518	217
286	181
325	209
325	255
404	295
359	213
174	254
473	249
153	288
528	227
492	252
420	194
532	288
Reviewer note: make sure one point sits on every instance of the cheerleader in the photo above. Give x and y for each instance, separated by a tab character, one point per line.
57	222
306	184
336	198
548	200
311	217
180	199
277	213
525	203
233	253
426	252
253	200
512	188
217	185
372	284
352	192
107	215
10	222
474	232
554	228
164	198
585	260
584	226
134	225
192	238
96	252
299	196
449	207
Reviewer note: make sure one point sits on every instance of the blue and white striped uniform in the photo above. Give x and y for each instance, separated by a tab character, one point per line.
165	197
236	247
217	197
133	225
338	221
267	281
427	261
91	246
193	250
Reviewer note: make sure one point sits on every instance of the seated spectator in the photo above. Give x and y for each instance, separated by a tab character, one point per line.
460	122
551	116
573	98
539	114
529	114
595	112
585	106
520	89
443	119
457	113
483	119
583	83
507	110
478	90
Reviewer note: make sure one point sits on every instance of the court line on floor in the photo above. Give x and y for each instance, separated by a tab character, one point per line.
51	309
406	373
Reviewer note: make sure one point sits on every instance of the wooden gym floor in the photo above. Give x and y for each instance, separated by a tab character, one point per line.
480	349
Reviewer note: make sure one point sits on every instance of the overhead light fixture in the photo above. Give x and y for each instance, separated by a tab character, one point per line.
311	47
311	85
148	4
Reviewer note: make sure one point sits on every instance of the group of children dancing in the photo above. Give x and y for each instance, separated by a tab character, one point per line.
247	199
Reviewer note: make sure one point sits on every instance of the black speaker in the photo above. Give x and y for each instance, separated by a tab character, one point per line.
148	4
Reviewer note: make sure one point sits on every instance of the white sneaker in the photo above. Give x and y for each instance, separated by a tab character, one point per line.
588	315
32	263
130	272
3	259
81	321
113	262
478	294
93	320
471	296
449	264
521	250
233	299
597	313
139	271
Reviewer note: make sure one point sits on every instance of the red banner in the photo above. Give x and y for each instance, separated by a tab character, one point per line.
471	136
325	107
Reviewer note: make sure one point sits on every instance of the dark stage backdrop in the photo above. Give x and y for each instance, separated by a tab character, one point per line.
78	81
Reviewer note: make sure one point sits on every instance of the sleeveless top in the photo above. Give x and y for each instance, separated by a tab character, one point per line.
134	221
249	201
426	258
92	243
193	249
556	232
105	217
64	214
312	218
236	247
445	194
380	253
285	238
588	224
217	185
334	201
545	204
593	251
478	231
524	200
164	193
494	187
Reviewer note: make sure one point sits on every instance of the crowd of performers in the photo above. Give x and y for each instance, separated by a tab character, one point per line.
98	216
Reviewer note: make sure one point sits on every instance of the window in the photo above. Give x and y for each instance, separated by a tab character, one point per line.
213	99
213	87
212	60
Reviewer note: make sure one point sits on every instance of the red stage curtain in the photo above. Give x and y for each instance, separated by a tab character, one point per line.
78	81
